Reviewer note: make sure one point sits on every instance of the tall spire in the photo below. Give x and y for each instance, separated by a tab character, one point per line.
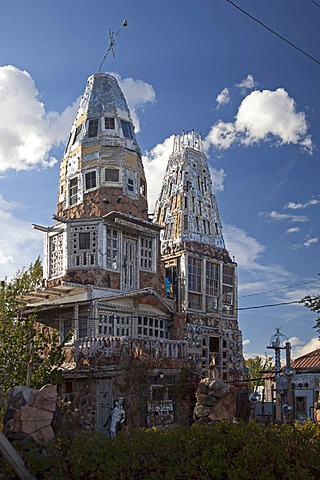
187	206
102	170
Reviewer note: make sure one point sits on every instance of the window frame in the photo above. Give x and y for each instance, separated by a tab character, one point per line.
90	187
93	127
73	190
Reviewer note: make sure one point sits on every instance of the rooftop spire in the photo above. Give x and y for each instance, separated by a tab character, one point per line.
187	206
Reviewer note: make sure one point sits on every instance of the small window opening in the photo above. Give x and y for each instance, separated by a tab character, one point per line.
90	180
84	240
111	175
127	129
109	123
93	127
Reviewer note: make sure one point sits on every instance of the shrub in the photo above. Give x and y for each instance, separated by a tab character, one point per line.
222	451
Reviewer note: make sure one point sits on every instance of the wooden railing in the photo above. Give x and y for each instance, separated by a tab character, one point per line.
136	347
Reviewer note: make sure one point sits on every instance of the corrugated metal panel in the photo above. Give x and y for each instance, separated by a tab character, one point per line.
311	359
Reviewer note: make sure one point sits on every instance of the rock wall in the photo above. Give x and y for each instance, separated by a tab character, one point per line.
29	413
216	401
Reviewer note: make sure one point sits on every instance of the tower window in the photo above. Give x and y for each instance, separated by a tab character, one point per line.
109	123
83	246
73	191
112	249
194	283
84	240
90	180
127	129
93	127
212	285
146	253
56	255
77	133
228	289
130	184
111	175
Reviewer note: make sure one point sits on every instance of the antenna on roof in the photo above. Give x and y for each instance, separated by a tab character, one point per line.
112	42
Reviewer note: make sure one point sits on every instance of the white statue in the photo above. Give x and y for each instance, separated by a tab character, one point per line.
118	416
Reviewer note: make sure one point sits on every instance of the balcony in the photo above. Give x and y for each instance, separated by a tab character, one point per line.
135	347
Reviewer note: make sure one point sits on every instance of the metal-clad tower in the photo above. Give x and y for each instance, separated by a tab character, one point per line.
200	275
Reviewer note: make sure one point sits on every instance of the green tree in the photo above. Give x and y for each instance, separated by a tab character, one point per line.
255	366
313	303
30	354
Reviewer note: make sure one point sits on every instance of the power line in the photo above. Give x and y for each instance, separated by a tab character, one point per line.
275	33
278	289
270	305
315	3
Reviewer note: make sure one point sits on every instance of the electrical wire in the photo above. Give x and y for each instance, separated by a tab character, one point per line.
275	33
278	289
268	305
315	3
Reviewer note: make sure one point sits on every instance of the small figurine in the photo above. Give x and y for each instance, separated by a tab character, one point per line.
118	416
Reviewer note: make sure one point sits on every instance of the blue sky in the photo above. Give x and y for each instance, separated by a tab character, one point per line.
198	64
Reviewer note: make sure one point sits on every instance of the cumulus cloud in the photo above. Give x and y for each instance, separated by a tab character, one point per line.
19	244
247	84
223	98
297	206
137	93
27	132
217	177
310	241
155	164
280	217
300	348
293	230
263	116
254	275
246	341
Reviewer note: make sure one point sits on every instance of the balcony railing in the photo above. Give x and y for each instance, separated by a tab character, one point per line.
135	347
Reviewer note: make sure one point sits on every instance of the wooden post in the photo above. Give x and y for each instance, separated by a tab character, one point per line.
13	457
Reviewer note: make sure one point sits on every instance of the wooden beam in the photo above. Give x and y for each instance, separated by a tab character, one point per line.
13	457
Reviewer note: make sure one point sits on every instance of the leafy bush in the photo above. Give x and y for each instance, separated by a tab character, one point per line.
223	451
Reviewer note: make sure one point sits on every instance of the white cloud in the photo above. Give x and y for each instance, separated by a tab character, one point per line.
246	341
263	116
247	84
222	135
300	348
19	244
280	217
296	206
155	164
27	132
310	241
293	230
217	177
243	247
223	98
137	93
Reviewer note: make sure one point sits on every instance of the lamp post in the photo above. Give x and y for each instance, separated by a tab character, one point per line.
277	342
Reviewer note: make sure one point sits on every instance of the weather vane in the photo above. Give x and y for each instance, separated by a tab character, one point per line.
112	42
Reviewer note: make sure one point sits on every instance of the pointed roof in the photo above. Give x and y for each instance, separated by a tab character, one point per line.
187	206
102	168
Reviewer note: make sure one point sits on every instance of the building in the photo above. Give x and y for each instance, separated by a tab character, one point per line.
127	301
305	386
199	273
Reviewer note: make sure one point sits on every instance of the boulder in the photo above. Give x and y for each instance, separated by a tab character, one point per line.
224	408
